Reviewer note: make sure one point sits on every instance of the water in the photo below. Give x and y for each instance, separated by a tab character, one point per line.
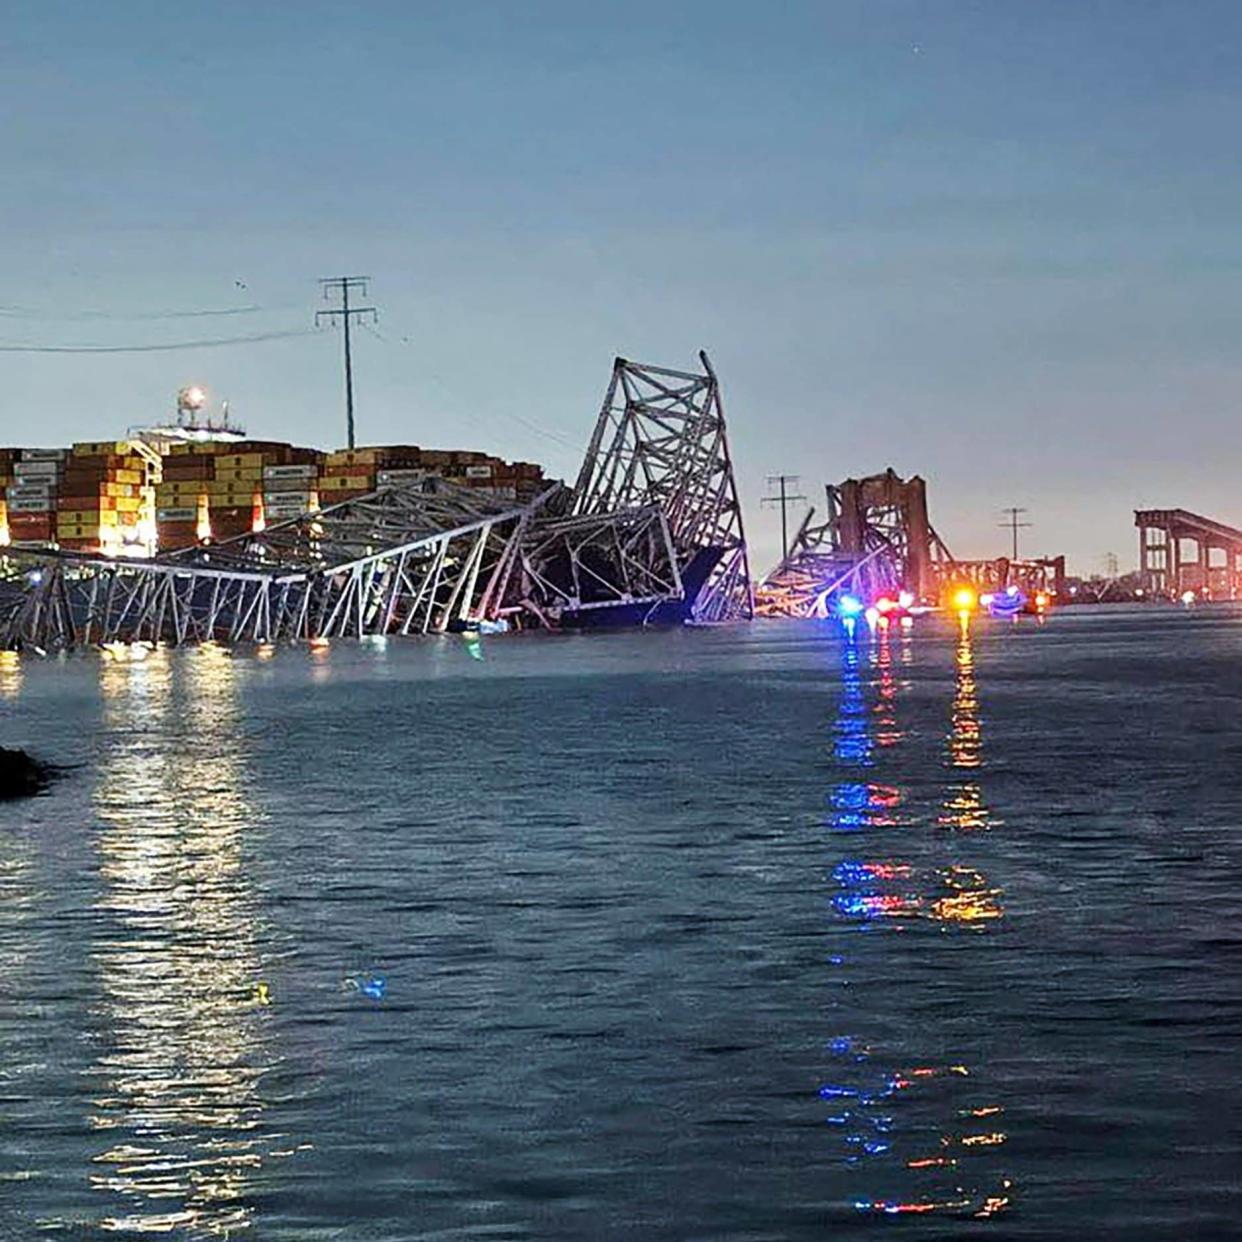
743	934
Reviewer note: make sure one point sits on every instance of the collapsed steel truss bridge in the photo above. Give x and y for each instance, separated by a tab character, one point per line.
876	538
652	531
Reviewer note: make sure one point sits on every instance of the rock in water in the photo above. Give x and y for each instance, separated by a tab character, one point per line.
20	775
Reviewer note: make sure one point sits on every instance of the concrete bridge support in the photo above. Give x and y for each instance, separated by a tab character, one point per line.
1181	551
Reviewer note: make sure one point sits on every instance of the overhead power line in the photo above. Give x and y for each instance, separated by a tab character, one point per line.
784	499
6	348
494	419
1011	522
30	312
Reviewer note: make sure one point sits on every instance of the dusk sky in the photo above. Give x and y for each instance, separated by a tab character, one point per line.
994	243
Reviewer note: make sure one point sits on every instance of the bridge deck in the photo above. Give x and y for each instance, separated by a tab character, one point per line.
1187	524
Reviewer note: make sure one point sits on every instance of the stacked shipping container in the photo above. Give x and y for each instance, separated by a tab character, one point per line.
221	482
33	479
105	498
290	489
349	473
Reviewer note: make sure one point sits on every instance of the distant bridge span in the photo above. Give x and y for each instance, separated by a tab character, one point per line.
1213	567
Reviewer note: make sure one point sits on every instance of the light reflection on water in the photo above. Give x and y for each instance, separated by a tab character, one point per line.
10	674
887	732
963	806
176	1085
948	895
916	1131
22	1054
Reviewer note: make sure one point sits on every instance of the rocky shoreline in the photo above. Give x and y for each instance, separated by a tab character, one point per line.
21	775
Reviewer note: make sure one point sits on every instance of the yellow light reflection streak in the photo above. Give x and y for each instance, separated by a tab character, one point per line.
970	899
183	1049
10	674
963	806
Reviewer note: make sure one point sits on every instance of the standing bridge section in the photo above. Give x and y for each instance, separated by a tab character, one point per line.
1180	551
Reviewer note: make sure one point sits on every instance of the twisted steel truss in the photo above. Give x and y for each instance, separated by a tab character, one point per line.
660	440
410	560
804	582
876	539
652	529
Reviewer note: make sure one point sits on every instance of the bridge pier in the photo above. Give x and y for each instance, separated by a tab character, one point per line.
1164	571
1154	552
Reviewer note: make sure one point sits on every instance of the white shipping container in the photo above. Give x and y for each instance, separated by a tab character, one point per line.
175	515
407	475
478	472
290	472
29	504
44	454
26	491
36	469
287	485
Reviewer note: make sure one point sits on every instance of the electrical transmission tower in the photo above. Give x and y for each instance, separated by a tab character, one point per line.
343	286
1011	522
784	499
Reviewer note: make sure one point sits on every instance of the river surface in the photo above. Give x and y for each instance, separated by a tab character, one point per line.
747	934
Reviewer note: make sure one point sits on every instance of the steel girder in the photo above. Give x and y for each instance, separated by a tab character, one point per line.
337	537
73	600
661	440
409	563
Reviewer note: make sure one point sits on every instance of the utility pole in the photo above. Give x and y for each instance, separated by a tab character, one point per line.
784	499
1011	521
344	286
